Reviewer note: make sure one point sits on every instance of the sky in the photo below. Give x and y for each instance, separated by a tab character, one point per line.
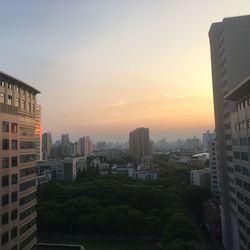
105	67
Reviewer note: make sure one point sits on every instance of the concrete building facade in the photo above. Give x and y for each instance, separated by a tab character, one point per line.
230	61
19	150
47	144
139	144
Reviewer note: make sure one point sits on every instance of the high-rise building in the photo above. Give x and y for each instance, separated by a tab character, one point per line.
139	144
88	146
213	168
47	144
20	148
230	61
81	142
206	138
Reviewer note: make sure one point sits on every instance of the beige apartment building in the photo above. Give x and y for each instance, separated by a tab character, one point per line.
139	144
19	150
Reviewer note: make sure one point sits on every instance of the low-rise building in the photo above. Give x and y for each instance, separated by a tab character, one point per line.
59	169
201	178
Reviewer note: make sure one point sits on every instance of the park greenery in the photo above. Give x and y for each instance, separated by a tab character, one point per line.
124	207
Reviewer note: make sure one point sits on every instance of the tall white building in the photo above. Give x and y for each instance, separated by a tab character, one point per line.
230	61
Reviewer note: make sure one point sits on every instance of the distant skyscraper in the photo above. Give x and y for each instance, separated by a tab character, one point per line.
88	146
65	139
139	144
82	145
230	58
47	143
20	148
206	138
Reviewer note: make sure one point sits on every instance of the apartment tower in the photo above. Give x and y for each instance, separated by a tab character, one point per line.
230	62
20	142
139	144
47	144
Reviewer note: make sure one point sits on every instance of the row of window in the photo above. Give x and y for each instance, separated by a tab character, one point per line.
6	127
27	212
5	237
243	104
245	185
6	200
26	185
6	162
6	144
27	171
14	87
14	144
242	170
27	226
243	198
241	125
27	198
12	215
241	155
18	103
6	180
241	141
14	162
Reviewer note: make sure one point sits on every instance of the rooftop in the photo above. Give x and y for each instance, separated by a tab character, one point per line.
241	90
25	85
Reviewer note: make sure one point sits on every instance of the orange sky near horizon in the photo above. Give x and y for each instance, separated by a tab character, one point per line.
107	67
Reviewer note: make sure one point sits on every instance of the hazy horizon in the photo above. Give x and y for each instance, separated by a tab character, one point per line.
107	67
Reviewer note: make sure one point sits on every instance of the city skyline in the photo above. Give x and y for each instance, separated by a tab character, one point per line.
107	68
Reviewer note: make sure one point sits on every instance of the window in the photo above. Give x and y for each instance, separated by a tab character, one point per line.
28	106
5	181
23	104
14	179
5	162
5	127
27	171
244	156
27	185
27	212
2	98
14	127
25	242
27	226
17	103
2	84
9	100
14	196
9	86
5	218
14	214
27	198
5	238
5	144
17	89
14	161
33	108
27	144
14	144
13	232
5	199
29	132
27	158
